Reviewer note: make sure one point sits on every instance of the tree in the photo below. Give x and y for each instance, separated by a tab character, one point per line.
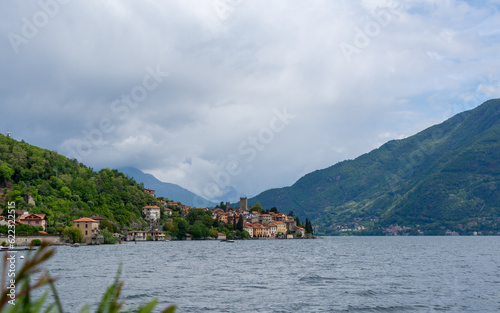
195	231
195	214
214	233
105	224
208	221
257	207
73	233
169	227
291	213
5	174
182	227
309	228
239	226
223	206
274	210
108	237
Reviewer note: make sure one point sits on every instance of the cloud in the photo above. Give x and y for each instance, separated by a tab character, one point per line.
353	75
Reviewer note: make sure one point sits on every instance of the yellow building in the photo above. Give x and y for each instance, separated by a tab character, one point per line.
156	235
260	230
280	228
89	228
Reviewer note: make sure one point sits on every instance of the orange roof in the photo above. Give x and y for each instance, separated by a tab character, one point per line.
85	219
150	207
29	216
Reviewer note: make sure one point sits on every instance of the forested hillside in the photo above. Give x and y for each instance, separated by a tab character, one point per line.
64	189
445	177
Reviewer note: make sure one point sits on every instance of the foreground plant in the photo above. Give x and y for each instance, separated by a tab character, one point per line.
21	300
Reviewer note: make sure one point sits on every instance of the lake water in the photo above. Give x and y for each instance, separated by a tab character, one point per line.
334	274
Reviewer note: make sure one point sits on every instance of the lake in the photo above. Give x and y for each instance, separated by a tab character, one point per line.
334	274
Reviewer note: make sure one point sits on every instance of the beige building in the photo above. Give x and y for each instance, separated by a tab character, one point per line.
151	212
273	229
265	219
248	228
89	228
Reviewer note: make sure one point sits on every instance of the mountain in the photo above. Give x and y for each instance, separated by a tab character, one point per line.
170	191
445	177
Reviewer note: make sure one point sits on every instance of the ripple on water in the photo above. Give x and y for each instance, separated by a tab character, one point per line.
332	275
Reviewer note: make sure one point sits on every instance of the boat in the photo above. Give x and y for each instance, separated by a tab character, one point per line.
76	245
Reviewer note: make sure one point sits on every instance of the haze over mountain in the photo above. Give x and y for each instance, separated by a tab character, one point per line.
171	191
443	175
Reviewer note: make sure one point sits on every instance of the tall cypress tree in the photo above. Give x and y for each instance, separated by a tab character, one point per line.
308	227
239	226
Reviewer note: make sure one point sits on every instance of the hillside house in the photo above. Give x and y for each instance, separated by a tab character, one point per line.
35	220
151	212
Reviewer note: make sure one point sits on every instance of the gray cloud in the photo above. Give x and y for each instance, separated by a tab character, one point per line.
94	76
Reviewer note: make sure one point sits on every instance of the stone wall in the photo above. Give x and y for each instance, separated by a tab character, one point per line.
25	240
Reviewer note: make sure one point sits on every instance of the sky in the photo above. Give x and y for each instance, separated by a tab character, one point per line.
242	95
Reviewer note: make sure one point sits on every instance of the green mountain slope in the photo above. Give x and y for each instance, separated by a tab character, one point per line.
443	176
64	189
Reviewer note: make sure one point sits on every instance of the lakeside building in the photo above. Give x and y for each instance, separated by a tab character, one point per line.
89	228
136	235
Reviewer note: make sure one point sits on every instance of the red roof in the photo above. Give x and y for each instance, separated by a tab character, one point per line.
85	219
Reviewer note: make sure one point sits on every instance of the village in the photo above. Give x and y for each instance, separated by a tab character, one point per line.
254	224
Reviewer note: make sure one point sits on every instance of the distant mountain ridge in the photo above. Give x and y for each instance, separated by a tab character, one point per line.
436	179
168	190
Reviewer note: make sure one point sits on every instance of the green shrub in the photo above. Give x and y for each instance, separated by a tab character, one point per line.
36	242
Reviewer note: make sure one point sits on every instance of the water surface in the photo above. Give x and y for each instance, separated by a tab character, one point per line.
335	274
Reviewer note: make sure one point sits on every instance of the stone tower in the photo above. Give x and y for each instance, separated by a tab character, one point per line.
243	203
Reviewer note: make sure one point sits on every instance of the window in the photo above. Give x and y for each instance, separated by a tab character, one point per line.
86	225
86	233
